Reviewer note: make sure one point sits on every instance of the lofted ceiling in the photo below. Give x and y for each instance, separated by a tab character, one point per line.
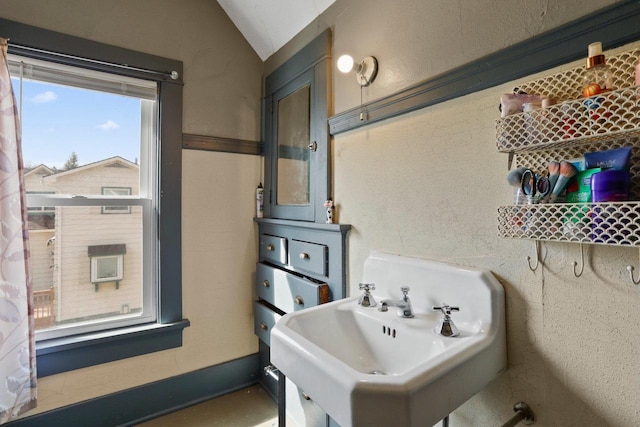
269	24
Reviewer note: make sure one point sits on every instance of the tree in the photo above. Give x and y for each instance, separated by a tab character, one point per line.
72	162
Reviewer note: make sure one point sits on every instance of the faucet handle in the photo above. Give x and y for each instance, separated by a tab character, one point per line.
405	290
367	286
445	326
445	309
366	299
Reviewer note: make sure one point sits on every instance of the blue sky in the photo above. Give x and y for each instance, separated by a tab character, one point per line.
59	120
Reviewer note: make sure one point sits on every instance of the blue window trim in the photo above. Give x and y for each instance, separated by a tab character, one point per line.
68	353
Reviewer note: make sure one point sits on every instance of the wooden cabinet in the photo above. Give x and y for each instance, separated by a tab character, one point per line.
295	134
300	265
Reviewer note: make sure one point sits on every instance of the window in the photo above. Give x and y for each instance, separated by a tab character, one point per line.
107	264
94	132
106	269
40	217
77	168
116	191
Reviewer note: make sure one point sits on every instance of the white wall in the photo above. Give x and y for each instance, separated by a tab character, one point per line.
427	184
222	94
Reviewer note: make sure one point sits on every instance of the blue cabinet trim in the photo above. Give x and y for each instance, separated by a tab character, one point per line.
613	26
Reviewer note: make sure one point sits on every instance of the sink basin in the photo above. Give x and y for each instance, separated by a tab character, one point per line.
366	367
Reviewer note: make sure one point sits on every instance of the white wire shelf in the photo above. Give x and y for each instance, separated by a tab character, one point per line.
566	131
595	223
574	120
601	118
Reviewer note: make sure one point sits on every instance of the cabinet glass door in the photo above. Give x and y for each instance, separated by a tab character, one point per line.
293	131
296	136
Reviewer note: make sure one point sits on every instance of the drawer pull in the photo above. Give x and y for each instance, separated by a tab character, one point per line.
304	255
263	326
271	248
265	283
299	300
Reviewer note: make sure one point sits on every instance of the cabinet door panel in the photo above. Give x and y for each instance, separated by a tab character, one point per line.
296	137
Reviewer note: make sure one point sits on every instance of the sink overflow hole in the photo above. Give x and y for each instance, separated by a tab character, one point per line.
388	331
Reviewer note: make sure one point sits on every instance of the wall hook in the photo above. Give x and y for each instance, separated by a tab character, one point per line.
575	263
630	270
537	257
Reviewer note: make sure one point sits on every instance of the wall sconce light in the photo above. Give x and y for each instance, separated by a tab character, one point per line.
366	70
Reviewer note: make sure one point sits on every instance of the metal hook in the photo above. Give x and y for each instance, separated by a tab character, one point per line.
537	257
575	263
630	270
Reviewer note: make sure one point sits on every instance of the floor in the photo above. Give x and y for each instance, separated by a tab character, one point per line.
249	407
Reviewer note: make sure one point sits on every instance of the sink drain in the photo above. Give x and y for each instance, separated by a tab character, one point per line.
377	372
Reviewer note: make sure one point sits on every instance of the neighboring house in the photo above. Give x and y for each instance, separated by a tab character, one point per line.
76	251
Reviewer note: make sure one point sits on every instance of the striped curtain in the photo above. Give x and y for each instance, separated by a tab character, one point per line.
17	342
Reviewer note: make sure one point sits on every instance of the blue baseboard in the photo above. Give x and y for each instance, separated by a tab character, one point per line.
148	401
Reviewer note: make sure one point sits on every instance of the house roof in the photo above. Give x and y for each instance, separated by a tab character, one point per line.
115	160
41	169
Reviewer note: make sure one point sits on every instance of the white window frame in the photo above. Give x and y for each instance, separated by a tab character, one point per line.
147	198
95	268
116	191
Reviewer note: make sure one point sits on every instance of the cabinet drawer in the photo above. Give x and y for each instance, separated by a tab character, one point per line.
273	248
288	292
264	320
310	257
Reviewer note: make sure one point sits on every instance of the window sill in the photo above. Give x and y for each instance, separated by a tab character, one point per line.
59	355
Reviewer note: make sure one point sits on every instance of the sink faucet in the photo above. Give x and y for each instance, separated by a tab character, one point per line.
404	304
446	327
366	299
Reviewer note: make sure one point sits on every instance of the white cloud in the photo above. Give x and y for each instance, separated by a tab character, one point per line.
44	97
109	125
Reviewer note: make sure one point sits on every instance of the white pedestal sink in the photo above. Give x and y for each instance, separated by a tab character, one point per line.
365	367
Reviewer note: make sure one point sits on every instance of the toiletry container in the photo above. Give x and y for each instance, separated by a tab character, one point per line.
610	186
532	119
597	80
260	201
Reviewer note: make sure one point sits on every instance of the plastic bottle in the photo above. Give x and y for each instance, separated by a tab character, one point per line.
597	78
260	201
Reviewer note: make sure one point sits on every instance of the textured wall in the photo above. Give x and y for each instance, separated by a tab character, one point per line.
222	88
427	185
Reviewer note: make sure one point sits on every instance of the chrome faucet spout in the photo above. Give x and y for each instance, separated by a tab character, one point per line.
404	305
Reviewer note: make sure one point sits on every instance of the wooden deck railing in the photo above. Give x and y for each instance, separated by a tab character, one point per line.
43	308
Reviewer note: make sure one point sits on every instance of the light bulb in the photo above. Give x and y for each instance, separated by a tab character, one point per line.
345	63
